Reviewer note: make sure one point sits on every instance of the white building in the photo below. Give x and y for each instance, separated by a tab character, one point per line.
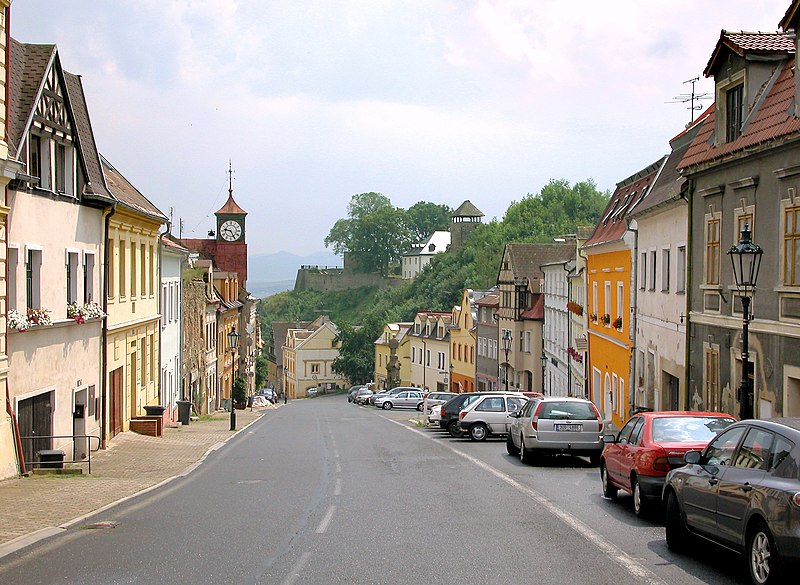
555	358
421	254
173	260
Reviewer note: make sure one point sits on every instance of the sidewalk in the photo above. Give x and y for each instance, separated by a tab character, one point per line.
43	504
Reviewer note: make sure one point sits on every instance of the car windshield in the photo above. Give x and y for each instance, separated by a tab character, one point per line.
567	411
688	429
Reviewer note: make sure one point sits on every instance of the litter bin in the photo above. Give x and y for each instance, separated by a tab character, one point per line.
154	410
51	458
184	411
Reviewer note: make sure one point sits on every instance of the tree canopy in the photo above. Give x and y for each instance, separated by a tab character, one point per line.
424	218
356	360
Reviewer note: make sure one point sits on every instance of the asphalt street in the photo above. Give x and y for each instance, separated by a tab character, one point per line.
324	492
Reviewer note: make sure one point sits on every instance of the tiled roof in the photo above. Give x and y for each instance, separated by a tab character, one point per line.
172	244
537	310
27	65
467	209
789	20
749	43
772	120
230	207
490	300
127	194
279	330
614	223
526	259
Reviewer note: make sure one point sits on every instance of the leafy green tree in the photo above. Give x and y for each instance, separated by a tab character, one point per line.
262	370
356	360
424	218
239	392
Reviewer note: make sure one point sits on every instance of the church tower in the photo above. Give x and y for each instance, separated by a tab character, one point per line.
231	248
465	219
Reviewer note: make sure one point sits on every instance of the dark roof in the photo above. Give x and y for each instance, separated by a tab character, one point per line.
770	121
526	259
127	194
763	44
279	330
536	312
789	20
490	300
614	223
83	128
467	209
26	70
230	206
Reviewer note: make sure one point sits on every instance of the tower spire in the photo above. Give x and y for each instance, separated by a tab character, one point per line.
230	178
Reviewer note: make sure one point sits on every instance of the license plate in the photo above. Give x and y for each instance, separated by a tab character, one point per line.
570	428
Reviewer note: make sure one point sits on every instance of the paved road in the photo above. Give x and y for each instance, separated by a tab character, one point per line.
323	492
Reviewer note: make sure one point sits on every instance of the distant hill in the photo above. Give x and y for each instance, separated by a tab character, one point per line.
282	266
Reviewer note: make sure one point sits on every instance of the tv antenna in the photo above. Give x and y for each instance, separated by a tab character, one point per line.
691	98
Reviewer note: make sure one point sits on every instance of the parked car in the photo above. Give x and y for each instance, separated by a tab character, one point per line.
404	398
351	394
433	399
489	415
435	415
269	394
362	396
638	458
449	413
391	392
742	492
556	424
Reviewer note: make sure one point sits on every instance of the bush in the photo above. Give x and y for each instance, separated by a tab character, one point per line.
239	393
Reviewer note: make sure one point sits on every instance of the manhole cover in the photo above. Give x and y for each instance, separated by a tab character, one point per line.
98	525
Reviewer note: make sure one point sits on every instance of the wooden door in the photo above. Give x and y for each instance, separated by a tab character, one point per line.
35	418
116	401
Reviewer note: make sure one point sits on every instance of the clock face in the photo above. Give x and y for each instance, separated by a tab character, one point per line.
230	230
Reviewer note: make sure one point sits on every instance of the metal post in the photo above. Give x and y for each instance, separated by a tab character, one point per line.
745	389
233	380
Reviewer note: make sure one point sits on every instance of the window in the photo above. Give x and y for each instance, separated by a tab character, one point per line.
754	452
11	290
595	306
652	274
720	451
164	297
427	358
712	397
608	298
621	403
144	271
315	367
72	277
133	269
493	404
665	270
61	168
35	157
440	360
413	355
744	220
712	249
791	247
526	341
88	277
643	271
33	279
733	112
153	261
122	254
680	271
620	299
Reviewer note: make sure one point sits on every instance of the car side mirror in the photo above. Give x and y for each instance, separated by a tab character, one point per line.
692	457
609	439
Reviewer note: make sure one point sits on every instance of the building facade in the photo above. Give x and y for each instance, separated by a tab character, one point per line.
486	343
174	258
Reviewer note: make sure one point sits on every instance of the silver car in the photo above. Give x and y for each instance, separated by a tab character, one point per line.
489	415
556	424
402	399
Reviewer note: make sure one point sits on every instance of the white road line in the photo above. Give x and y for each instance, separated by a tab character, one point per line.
338	467
338	490
323	526
642	573
294	573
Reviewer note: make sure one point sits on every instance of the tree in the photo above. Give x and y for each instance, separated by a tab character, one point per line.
356	359
239	392
424	218
262	370
375	232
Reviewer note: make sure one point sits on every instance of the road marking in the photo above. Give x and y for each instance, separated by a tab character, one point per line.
338	467
294	573
336	454
642	573
338	490
323	526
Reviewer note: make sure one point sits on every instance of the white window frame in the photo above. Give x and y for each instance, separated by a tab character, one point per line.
89	263
72	261
666	259
34	256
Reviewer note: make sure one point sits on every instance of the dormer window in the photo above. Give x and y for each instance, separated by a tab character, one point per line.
35	156
734	100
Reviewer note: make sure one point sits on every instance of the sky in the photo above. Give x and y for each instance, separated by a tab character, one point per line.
314	101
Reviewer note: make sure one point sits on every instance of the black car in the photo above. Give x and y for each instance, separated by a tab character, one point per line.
351	394
742	492
453	407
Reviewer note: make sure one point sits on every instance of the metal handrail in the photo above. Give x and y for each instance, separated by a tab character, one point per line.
73	437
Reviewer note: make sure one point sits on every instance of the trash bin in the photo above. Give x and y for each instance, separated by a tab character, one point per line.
51	458
250	401
184	411
154	410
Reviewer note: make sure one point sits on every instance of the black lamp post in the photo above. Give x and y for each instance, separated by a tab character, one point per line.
746	260
452	386
506	345
544	370
233	342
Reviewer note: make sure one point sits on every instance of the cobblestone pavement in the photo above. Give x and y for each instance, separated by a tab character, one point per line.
130	464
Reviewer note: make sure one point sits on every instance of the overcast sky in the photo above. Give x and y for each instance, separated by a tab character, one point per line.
421	100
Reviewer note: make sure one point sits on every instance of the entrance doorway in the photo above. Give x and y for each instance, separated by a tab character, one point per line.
35	418
116	402
671	384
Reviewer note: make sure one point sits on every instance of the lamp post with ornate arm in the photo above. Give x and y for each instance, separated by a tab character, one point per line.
746	260
506	345
233	342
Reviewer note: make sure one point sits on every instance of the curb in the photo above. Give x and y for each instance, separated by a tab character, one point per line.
26	540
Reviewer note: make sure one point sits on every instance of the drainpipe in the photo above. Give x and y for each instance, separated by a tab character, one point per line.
161	316
634	301
683	397
15	430
104	335
586	382
569	332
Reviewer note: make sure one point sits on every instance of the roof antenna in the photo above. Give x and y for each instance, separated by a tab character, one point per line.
691	98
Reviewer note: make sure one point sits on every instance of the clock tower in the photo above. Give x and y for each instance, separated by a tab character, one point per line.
231	246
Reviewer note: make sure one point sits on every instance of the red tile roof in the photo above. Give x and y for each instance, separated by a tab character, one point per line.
772	120
230	206
537	310
789	20
749	43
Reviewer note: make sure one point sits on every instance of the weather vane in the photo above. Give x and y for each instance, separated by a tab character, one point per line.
691	98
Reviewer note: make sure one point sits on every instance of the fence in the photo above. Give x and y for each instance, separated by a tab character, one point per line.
87	461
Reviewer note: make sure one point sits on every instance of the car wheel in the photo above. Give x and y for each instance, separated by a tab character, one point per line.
525	456
609	491
510	446
478	432
762	558
676	531
640	504
454	429
387	406
420	407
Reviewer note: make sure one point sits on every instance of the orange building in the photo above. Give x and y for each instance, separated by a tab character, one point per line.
609	268
462	342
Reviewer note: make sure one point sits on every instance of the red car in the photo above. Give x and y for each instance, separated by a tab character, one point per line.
638	458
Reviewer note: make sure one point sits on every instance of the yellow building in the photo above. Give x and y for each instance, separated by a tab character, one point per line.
132	272
609	263
308	356
398	331
462	343
226	286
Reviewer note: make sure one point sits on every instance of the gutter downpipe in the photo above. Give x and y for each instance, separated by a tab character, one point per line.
569	331
586	383
683	398
633	322
104	337
161	320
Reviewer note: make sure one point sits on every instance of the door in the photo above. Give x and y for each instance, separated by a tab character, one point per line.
116	402
672	391
618	456
514	405
80	447
35	418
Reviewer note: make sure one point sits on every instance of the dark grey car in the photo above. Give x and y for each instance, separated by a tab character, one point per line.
742	492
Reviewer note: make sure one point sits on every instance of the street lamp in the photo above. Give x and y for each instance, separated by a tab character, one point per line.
233	342
746	260
506	345
451	368
544	370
